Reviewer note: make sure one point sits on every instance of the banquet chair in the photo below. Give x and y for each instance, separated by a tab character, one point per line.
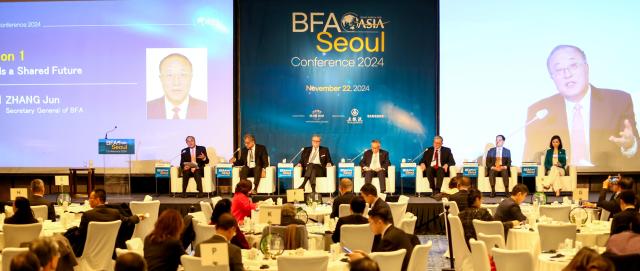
203	232
191	263
491	241
323	184
99	246
422	183
408	223
461	252
122	251
604	214
16	234
267	184
344	210
397	211
419	257
144	227
40	211
391	260
135	245
403	199
506	260
301	236
569	182
356	237
207	211
479	255
207	181
489	228
453	206
390	180
551	235
9	253
215	200
307	263
556	212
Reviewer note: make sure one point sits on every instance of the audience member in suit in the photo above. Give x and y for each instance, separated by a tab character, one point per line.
37	198
25	261
435	163
375	163
195	154
162	247
130	261
555	163
613	203
464	183
46	249
241	204
225	229
253	160
99	213
625	242
509	209
370	195
357	208
498	162
288	216
22	213
629	215
314	162
346	194
225	206
475	211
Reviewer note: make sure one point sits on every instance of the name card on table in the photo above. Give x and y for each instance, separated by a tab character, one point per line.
270	214
529	169
345	170
224	170
62	180
214	254
285	170
470	169
408	170
116	146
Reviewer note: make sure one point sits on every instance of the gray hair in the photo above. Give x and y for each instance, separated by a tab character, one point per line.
438	137
45	248
37	185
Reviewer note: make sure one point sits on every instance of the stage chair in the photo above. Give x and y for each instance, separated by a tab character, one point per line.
15	234
422	183
40	211
479	255
99	246
356	237
144	227
207	181
419	260
397	211
358	180
308	263
9	253
267	184
551	235
568	182
391	260
505	259
557	213
485	186
461	252
203	232
408	223
323	184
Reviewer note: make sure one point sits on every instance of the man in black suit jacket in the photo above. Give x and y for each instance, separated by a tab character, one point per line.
464	183
613	203
253	160
314	161
225	230
375	163
498	162
609	137
194	154
345	197
436	161
37	198
629	215
357	208
387	237
370	195
509	209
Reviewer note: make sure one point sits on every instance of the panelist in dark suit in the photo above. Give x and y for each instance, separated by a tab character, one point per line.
37	198
225	230
629	215
387	237
345	197
436	162
498	162
314	162
375	163
599	123
253	160
195	154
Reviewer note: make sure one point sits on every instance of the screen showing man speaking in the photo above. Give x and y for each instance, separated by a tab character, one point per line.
74	72
532	70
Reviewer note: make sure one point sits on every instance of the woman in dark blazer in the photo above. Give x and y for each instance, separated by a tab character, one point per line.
555	162
22	213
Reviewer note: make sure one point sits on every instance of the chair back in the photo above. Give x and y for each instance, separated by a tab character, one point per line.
604	215
383	196
419	260
551	235
461	252
356	237
391	260
491	241
489	227
557	213
397	211
16	234
453	206
505	259
479	255
41	211
403	199
190	263
408	225
100	244
203	232
144	227
344	210
301	236
8	254
308	263
215	200
207	211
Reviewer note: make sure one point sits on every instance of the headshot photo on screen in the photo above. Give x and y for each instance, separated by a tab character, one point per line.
176	83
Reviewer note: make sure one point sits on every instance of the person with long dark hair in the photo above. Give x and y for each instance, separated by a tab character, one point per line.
555	161
224	206
163	247
22	213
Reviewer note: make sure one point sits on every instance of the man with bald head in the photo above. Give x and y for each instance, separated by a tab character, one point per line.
598	125
176	72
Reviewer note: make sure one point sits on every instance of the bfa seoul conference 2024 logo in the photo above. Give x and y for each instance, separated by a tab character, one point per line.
351	22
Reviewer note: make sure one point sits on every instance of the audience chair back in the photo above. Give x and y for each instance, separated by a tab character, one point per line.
207	211
16	234
8	254
356	237
461	252
99	246
308	263
41	211
190	263
453	206
397	211
479	255
391	260
552	235
419	260
408	223
505	259
489	227
344	210
144	227
491	241
557	213
203	232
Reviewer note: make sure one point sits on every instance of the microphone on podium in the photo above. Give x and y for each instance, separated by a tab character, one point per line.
109	131
294	157
414	158
360	154
234	153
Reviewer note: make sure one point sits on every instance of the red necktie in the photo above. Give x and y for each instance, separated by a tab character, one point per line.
435	156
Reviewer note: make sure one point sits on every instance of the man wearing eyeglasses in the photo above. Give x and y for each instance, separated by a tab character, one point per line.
314	162
599	123
177	104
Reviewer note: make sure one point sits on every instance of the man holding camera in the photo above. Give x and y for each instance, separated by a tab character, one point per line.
617	184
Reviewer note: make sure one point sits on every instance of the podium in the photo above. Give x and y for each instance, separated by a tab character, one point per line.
224	171
407	171
116	158
285	171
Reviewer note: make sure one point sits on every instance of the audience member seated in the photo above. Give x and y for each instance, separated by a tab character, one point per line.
364	264
626	242
464	183
474	200
589	260
225	229
612	204
242	206
130	262
162	247
26	261
629	215
346	194
509	209
37	198
370	195
357	208
224	206
452	189
288	216
22	213
46	249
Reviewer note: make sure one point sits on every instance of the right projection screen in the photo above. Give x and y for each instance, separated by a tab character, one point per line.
532	70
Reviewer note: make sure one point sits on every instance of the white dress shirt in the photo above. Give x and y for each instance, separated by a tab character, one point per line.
251	157
434	159
375	161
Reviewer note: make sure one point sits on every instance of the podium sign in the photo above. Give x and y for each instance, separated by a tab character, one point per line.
162	172
529	169
407	170
116	146
345	170
223	170
470	170
285	170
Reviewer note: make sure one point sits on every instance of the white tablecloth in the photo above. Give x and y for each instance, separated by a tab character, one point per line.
254	264
550	262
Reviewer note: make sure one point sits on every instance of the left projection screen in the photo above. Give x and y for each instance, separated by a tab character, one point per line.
71	71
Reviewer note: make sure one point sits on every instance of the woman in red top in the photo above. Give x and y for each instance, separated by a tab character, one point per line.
241	205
